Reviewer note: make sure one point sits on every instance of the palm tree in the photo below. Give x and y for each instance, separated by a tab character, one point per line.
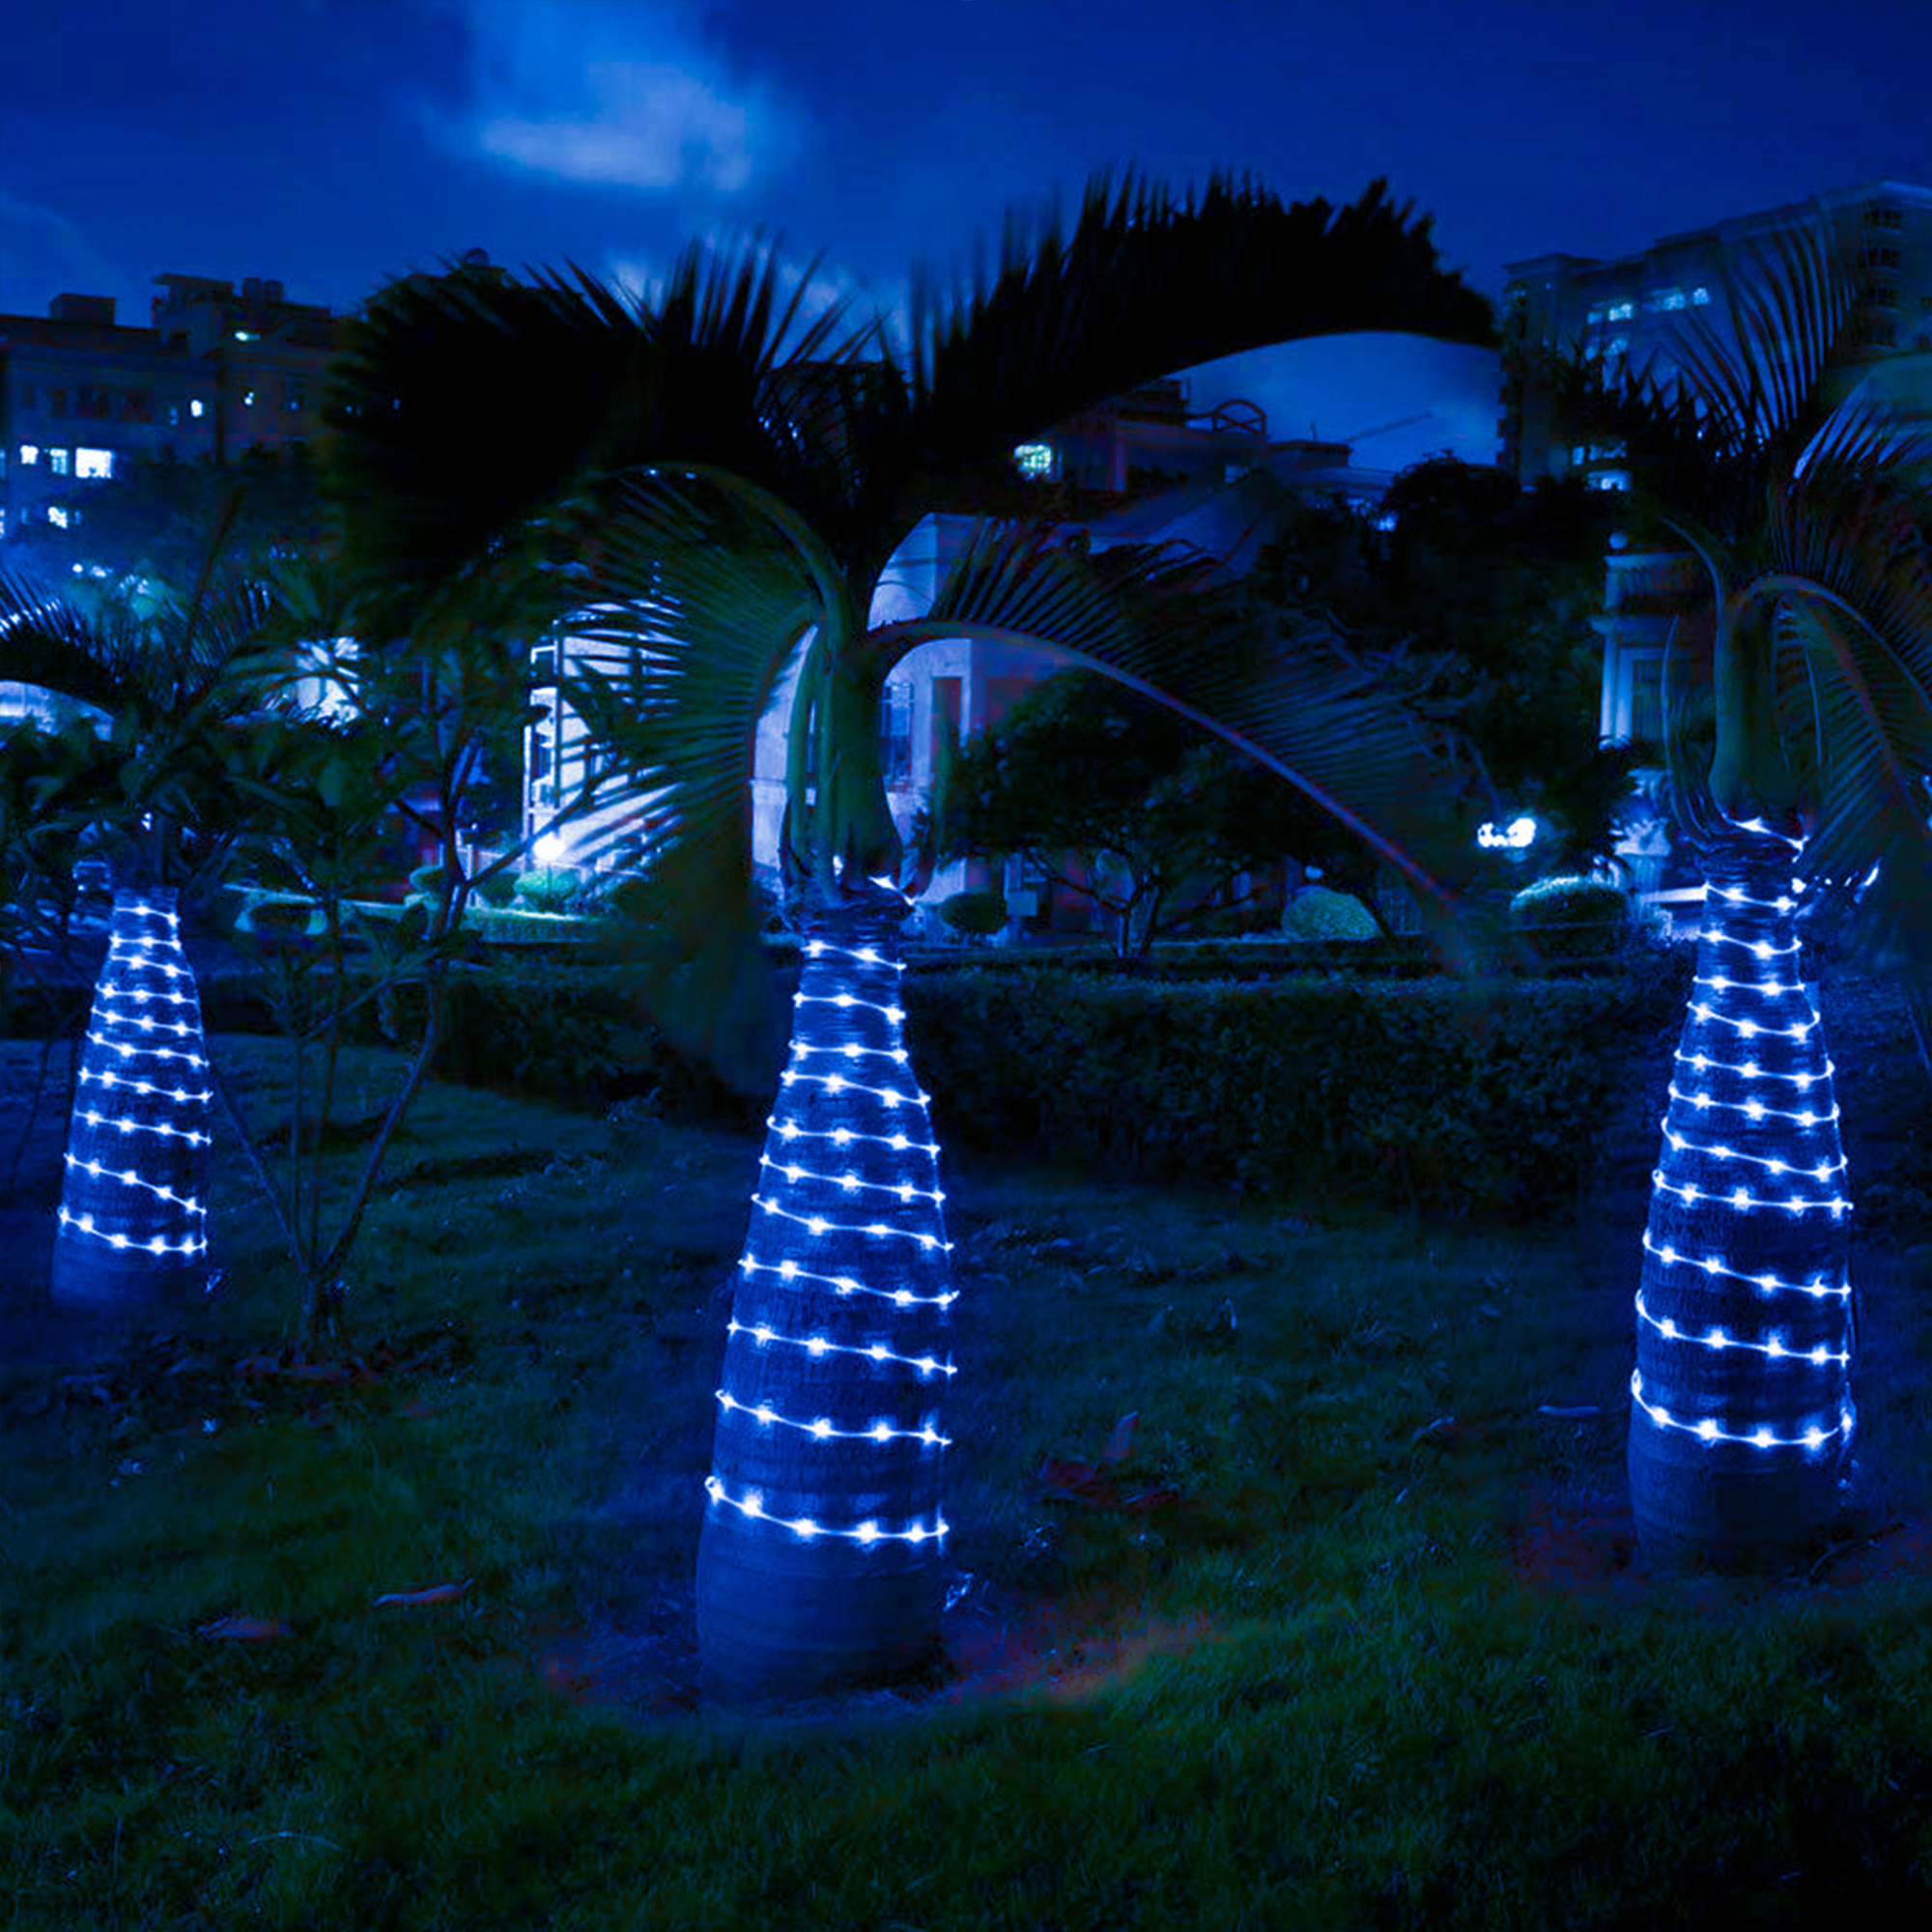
1794	491
132	1226
734	488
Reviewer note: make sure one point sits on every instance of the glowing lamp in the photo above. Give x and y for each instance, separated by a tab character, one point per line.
1517	836
132	1225
819	1558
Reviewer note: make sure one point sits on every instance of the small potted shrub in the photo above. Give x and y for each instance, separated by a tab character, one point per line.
547	889
973	915
1572	918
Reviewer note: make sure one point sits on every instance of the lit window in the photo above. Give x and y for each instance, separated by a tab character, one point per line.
195	408
1610	479
57	462
1622	311
248	399
30	454
1671	298
174	416
247	335
1700	296
58	517
1036	459
94	463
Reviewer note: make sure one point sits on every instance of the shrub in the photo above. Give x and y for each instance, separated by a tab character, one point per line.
1568	918
547	889
1438	1094
975	915
427	880
497	890
634	900
1321	912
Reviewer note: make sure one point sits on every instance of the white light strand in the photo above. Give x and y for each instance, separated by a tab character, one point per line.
806	1528
1771	1163
821	1430
1768	1283
844	1137
817	1224
1710	1430
160	1128
1747	1203
838	1083
111	1079
157	1245
850	1050
1756	1029
126	1176
1719	1340
1750	1070
843	1285
1756	1110
847	1000
144	1023
867	955
817	1346
850	1183
149	1052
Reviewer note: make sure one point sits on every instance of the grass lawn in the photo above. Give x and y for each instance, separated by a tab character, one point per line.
1350	1634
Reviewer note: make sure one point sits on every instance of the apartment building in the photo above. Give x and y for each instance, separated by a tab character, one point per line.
1629	313
214	372
1148	468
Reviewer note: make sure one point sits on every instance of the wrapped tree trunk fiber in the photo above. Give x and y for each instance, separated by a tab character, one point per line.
1741	1412
819	1564
133	1216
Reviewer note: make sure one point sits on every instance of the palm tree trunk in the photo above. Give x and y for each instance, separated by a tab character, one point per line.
819	1561
1742	1413
133	1219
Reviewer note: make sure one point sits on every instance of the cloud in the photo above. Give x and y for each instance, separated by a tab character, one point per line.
44	253
612	96
818	287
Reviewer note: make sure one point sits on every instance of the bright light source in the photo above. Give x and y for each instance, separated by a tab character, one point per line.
550	848
1517	835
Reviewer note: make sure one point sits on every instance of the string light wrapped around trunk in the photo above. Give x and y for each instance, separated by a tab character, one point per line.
133	1217
1741	1412
819	1561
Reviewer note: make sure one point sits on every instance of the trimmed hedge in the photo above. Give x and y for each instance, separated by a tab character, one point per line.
1464	1096
1435	1093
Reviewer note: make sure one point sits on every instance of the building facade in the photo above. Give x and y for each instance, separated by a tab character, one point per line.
214	372
1629	313
1145	468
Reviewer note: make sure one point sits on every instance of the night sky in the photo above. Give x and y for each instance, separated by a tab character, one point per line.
335	142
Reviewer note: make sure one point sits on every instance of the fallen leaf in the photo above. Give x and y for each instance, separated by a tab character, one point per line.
247	1630
436	1593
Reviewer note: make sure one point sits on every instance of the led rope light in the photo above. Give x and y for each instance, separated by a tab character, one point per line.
1754	1110
1763	1436
846	1284
1773	1348
125	1223
850	1183
752	1504
790	1130
820	1345
1817	1287
1711	1372
161	1127
836	1347
1750	1070
821	1430
1771	1163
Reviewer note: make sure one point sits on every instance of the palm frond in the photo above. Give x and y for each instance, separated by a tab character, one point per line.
581	378
686	618
1147	283
1291	701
